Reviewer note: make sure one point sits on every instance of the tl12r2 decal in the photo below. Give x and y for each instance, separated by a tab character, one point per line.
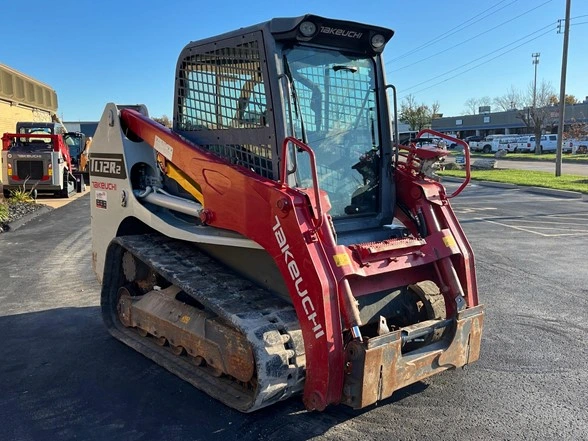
108	165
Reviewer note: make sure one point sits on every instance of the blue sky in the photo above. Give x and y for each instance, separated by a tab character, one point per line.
94	52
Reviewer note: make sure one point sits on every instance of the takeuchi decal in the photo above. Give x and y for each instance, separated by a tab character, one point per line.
104	185
296	277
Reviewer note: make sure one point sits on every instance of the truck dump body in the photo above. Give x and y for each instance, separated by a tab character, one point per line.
359	277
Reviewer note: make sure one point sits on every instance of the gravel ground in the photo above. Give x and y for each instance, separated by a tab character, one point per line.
17	211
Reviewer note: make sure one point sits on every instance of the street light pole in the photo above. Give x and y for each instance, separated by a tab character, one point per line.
562	91
535	56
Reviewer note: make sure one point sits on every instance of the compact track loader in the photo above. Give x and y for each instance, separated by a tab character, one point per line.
277	241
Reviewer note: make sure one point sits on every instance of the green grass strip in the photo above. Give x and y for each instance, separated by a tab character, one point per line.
526	177
546	157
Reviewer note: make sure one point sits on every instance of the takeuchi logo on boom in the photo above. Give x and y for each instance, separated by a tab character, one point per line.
296	277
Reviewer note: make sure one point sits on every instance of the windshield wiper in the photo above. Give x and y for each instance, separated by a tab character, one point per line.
297	110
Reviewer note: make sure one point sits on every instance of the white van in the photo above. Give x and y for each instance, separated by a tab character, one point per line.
526	143
575	146
508	143
489	144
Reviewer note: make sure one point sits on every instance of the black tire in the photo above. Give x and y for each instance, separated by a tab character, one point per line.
434	304
432	298
486	149
6	193
80	183
65	191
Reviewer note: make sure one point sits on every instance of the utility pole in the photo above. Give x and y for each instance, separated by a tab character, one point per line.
534	109
562	90
535	56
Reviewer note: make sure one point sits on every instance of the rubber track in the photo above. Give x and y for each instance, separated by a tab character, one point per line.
270	324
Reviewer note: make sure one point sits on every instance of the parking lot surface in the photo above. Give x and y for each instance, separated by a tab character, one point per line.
63	377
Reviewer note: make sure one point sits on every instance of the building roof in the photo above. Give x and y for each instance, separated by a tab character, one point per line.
20	88
509	119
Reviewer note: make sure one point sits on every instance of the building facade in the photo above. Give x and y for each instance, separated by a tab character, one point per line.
509	122
23	98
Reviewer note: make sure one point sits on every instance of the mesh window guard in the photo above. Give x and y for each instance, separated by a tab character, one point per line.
222	104
223	89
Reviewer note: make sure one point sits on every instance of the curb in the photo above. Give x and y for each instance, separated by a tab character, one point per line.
16	224
485	183
496	184
564	194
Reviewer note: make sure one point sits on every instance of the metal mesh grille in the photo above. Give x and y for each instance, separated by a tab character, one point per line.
222	104
256	158
223	89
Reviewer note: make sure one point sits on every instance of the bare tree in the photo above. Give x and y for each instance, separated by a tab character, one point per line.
542	116
512	99
435	110
471	106
485	101
417	116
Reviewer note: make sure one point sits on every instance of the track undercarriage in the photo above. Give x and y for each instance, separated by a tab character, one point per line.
214	329
218	331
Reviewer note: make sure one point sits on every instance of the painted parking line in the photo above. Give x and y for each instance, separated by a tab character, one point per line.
547	225
533	229
583	224
469	210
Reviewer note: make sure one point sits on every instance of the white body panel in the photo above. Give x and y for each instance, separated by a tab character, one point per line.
113	200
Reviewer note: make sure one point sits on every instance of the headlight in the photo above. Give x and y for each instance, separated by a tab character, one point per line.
307	28
378	41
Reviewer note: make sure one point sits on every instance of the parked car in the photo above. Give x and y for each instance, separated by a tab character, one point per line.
489	144
430	142
526	143
508	143
575	146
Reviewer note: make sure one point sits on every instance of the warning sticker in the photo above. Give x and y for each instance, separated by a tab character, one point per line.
449	241
164	148
101	197
341	259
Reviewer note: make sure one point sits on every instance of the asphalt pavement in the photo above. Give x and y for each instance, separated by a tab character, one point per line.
63	377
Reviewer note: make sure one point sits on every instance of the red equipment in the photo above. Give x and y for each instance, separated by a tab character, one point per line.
366	249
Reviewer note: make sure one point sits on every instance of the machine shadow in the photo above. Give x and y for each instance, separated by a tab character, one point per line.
63	376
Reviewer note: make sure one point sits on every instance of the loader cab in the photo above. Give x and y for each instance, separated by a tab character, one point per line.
75	142
36	128
318	80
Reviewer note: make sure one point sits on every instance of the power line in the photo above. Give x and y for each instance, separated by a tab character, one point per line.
483	56
474	37
476	66
455	30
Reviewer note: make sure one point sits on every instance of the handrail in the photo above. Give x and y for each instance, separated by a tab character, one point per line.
318	220
466	150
